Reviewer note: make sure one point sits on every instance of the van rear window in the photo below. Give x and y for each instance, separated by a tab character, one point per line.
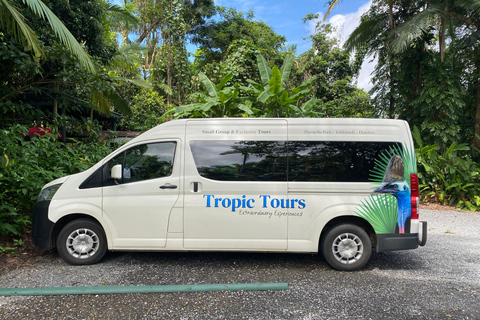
320	161
334	161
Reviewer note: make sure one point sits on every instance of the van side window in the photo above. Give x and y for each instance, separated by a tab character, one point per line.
334	161
241	160
144	162
316	161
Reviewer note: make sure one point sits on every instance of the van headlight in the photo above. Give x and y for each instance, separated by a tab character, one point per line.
48	193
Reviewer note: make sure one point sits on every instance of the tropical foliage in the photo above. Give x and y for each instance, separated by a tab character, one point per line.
450	176
26	165
270	98
427	71
219	101
15	23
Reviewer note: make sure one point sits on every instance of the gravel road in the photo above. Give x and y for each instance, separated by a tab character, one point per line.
438	281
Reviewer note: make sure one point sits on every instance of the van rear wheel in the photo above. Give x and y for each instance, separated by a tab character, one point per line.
82	242
346	247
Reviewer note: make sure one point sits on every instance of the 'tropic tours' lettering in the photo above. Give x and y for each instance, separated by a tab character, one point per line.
265	201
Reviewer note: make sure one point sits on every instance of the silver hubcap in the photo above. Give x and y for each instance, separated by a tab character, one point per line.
82	243
347	248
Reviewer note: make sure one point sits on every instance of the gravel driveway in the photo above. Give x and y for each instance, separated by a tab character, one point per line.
438	281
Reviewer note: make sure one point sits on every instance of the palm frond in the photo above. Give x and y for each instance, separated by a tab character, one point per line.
119	103
123	15
381	211
408	158
12	20
100	103
138	82
106	101
333	4
370	27
414	28
128	57
164	87
66	38
469	5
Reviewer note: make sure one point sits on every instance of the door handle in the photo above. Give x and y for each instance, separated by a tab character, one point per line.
168	186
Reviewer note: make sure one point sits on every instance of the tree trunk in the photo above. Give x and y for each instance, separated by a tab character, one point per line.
55	101
169	74
147	31
441	40
476	140
390	14
390	36
169	61
55	108
179	89
391	99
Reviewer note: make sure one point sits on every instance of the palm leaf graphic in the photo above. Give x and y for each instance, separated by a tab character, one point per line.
381	211
408	158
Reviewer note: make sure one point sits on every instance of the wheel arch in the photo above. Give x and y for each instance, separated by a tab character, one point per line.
349	219
62	222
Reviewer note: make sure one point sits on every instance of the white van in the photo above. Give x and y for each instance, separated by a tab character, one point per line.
336	186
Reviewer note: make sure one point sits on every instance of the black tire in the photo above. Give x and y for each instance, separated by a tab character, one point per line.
82	242
346	247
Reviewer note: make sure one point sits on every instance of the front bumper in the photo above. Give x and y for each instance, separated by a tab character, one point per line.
42	227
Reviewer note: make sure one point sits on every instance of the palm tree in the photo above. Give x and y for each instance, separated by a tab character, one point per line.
333	4
444	11
374	35
451	13
14	22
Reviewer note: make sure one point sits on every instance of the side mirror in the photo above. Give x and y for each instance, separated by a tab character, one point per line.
116	172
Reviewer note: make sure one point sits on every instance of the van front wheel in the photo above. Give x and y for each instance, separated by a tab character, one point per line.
81	242
346	247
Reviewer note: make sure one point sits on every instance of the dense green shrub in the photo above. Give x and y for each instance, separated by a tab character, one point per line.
27	164
450	176
147	109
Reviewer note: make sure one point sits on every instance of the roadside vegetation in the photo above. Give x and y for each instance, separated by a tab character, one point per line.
67	66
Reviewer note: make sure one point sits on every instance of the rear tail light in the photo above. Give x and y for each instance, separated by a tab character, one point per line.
414	195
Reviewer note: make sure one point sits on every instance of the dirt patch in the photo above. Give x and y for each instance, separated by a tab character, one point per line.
22	256
437	206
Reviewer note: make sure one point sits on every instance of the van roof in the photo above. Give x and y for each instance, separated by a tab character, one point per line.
174	128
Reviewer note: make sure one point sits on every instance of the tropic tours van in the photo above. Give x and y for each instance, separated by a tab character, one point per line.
336	186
